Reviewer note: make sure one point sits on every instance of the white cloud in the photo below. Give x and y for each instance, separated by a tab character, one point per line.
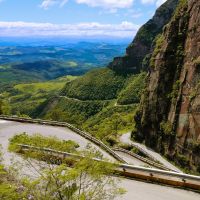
156	2
160	2
48	3
108	4
111	5
148	1
63	2
124	29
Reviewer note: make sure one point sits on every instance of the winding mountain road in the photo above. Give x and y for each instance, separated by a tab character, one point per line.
136	190
8	129
125	138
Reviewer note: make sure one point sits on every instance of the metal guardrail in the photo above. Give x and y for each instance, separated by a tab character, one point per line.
148	174
144	152
57	153
64	124
147	161
160	176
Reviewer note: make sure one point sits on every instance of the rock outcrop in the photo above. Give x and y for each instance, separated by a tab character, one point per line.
169	116
141	46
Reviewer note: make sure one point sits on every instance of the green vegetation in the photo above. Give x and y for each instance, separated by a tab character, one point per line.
167	128
73	111
111	122
101	84
82	103
28	64
181	4
148	32
61	182
5	67
182	161
196	148
24	98
158	45
145	34
72	184
43	87
41	141
197	61
102	102
133	89
105	119
4	107
11	77
194	91
99	118
72	64
9	188
174	94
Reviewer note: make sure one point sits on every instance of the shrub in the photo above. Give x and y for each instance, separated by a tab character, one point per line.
167	127
158	45
41	141
182	160
174	94
132	92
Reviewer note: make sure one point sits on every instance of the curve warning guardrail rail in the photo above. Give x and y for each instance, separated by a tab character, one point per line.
129	171
64	124
145	160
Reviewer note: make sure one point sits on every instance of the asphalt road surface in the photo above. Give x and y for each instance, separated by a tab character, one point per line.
136	190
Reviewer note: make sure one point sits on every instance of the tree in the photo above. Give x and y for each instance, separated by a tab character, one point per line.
4	108
1	107
87	180
117	122
9	187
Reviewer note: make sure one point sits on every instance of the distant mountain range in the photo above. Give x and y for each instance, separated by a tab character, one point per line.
35	61
59	41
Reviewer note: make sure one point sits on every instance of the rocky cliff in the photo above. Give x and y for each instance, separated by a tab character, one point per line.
169	116
142	44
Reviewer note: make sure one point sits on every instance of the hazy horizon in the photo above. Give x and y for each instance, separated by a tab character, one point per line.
31	41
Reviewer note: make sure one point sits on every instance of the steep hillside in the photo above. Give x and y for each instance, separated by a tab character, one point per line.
141	46
100	84
98	102
169	116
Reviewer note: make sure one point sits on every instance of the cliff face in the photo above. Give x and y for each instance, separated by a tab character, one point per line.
141	46
169	115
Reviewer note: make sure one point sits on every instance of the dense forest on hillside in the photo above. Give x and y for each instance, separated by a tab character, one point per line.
103	108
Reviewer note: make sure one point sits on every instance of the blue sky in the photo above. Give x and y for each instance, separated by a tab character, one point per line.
117	18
